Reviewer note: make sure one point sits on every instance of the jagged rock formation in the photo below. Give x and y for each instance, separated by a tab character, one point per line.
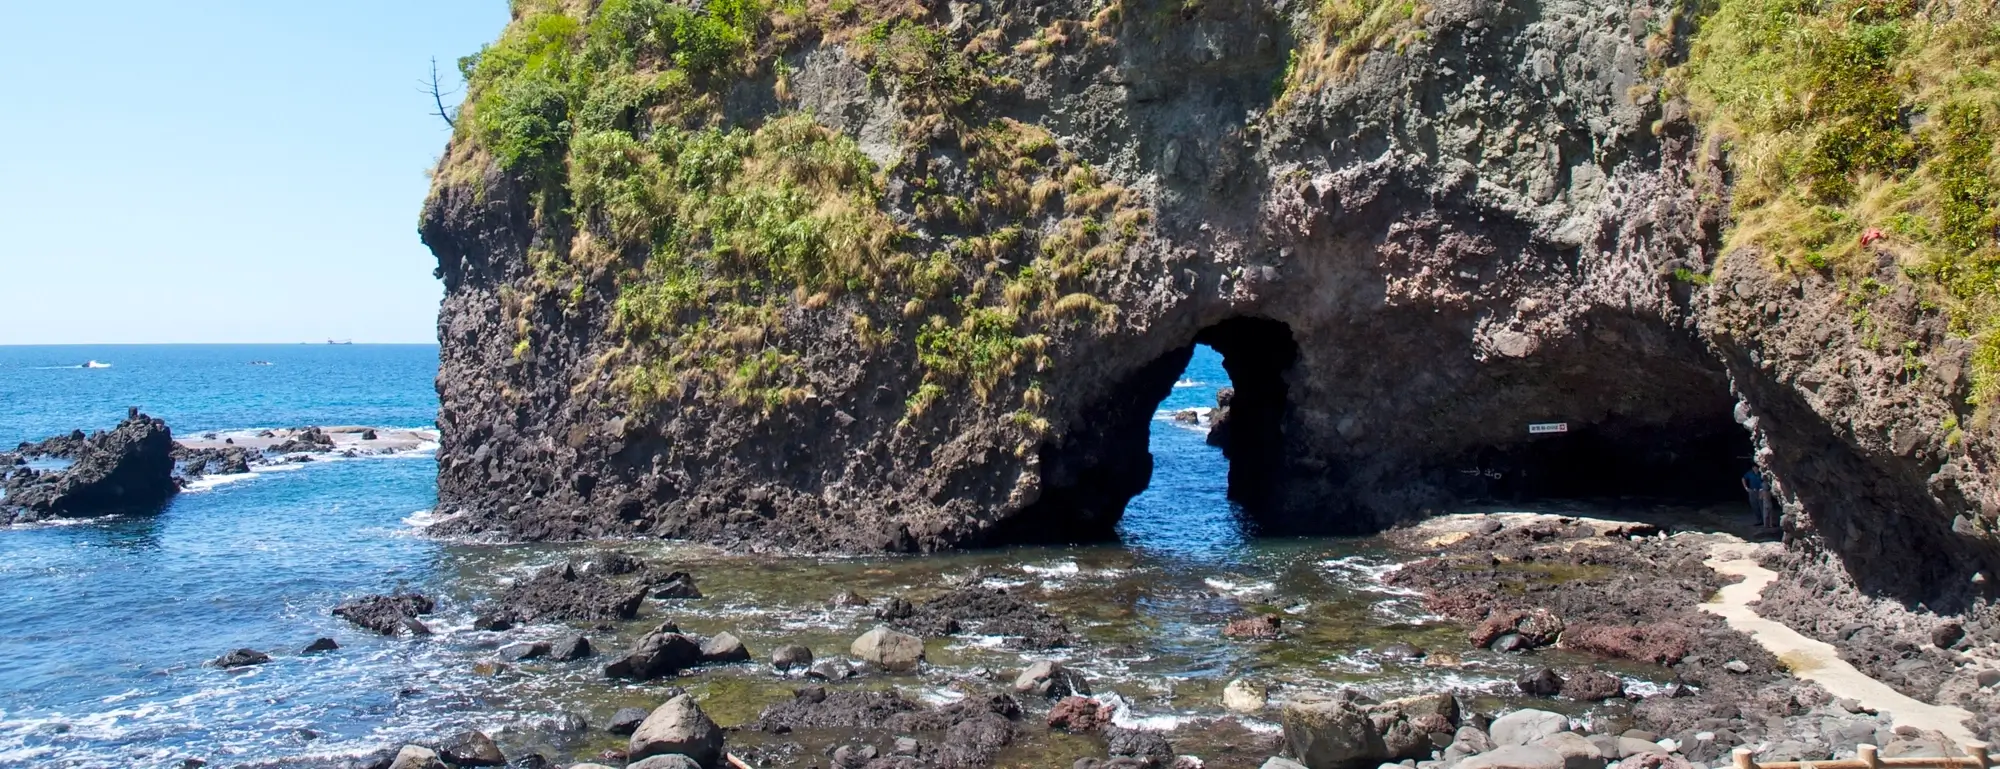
914	276
129	468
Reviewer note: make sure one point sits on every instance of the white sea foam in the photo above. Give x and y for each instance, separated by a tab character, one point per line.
1239	589
1185	383
1064	569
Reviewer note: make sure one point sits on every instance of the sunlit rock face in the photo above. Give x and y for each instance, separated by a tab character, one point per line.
1018	218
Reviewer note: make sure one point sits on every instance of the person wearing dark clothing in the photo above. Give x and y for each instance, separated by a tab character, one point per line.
1753	484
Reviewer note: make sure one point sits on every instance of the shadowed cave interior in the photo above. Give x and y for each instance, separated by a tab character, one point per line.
1687	449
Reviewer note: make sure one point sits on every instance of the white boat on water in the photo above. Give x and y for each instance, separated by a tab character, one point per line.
95	364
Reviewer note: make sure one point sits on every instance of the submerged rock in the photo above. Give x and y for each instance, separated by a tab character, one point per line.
791	657
240	658
321	645
1265	626
676	586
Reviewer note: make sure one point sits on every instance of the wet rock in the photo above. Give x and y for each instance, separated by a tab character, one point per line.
1050	680
321	645
571	649
1515	757
981	610
1534	627
816	708
1510	643
417	757
1947	635
1244	697
791	657
1265	626
240	658
1577	752
1659	643
1736	666
849	599
724	649
1541	682
680	727
413	626
854	756
1147	746
611	563
559	593
656	655
626	721
831	670
669	761
1400	651
385	614
1524	727
895	608
493	621
678	586
1593	686
893	651
1988	678
1331	734
1077	715
523	651
471	748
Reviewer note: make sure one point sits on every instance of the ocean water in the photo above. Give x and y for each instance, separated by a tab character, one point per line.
105	624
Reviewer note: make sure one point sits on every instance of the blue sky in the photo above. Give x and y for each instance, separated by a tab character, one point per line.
207	171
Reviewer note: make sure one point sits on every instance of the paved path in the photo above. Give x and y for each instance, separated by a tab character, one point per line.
1811	659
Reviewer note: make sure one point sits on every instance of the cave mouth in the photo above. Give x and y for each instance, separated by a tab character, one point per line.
1094	472
1697	459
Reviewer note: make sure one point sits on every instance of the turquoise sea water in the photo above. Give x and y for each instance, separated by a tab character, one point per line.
105	623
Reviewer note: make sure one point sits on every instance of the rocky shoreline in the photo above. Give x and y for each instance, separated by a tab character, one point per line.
1612	605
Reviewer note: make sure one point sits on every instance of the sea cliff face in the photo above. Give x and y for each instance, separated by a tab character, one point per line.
910	276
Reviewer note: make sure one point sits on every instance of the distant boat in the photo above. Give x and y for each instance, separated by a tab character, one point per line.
95	364
340	341
260	363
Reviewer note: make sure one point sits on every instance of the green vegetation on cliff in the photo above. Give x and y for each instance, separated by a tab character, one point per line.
717	244
1858	128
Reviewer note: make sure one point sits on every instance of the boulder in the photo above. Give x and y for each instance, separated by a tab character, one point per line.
791	657
240	658
1147	746
417	757
1331	734
471	748
321	645
893	651
386	614
680	727
518	652
1515	757
626	721
571	649
129	468
1050	680
1577	752
1659	644
1947	635
1541	682
560	593
1265	626
723	649
1525	727
1593	686
656	655
1244	697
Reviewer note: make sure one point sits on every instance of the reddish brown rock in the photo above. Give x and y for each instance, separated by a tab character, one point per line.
1537	627
1592	686
1077	715
1659	643
1255	627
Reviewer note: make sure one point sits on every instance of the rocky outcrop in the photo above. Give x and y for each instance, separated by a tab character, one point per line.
1440	266
128	469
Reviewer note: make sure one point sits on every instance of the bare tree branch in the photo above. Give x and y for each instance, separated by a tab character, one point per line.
437	92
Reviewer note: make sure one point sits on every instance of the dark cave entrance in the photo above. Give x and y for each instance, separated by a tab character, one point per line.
1698	459
1092	476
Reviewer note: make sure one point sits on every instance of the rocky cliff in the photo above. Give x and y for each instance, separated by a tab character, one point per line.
869	274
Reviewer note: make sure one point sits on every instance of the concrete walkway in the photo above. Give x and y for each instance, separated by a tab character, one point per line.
1811	659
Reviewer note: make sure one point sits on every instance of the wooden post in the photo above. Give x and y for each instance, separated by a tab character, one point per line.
1868	756
1742	758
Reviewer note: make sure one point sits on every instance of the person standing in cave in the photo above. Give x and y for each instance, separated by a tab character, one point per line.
1753	484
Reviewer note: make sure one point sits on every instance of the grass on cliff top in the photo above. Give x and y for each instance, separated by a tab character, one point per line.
1847	118
718	240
